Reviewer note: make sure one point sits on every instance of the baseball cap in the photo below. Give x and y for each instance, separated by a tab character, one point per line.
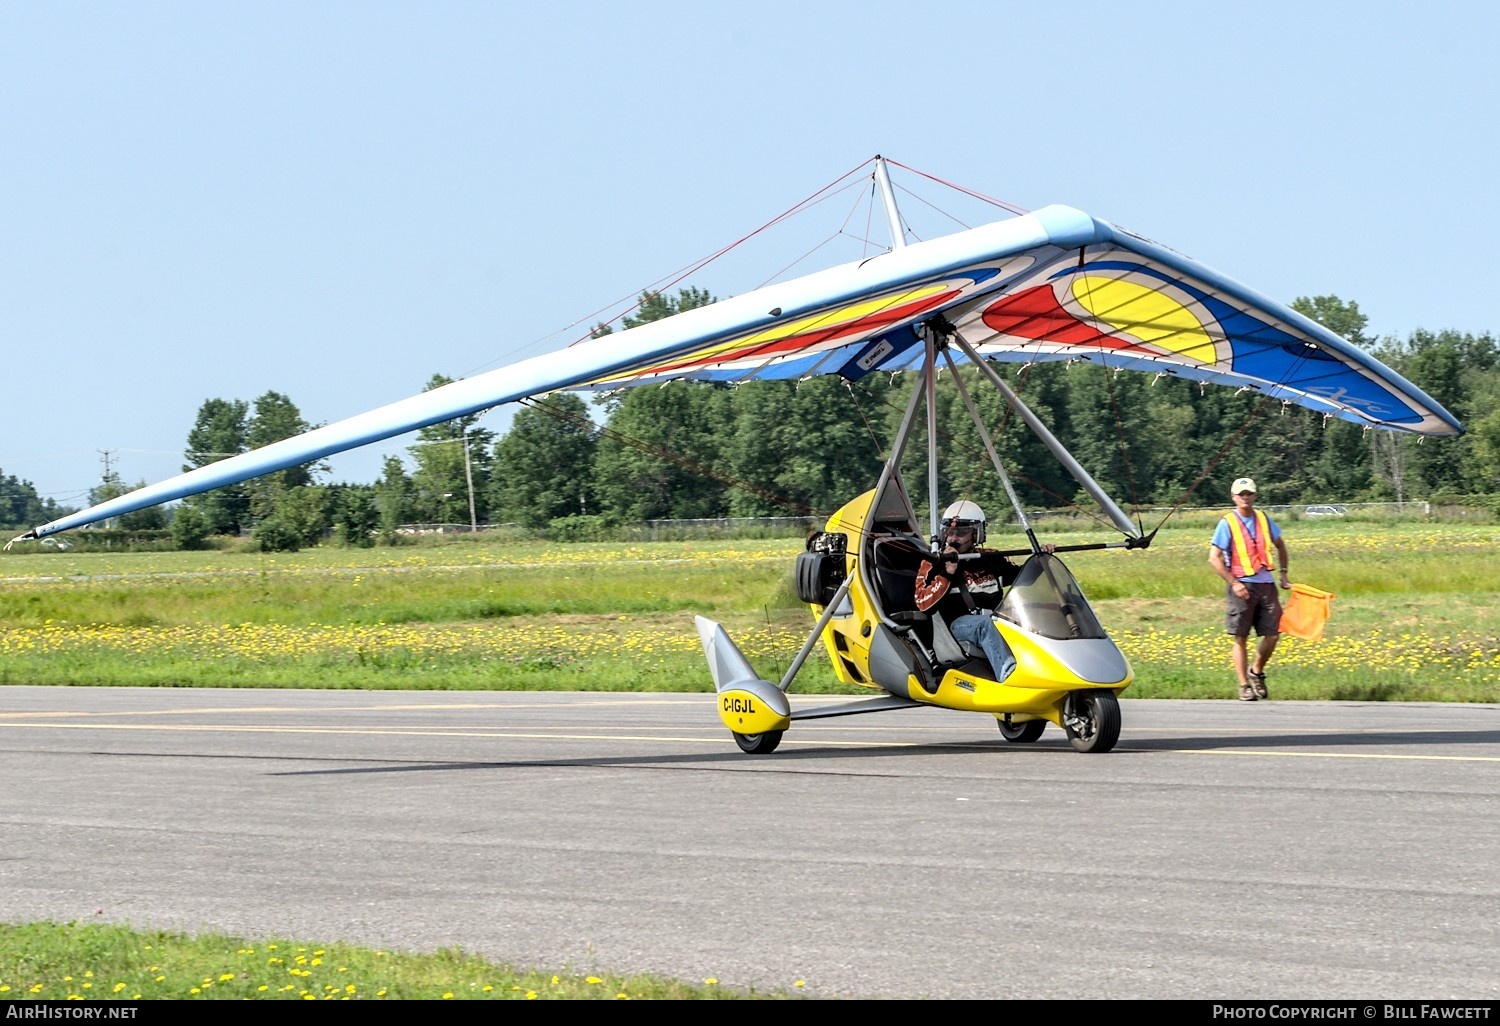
1243	484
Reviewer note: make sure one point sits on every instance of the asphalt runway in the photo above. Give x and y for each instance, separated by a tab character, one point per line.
1276	850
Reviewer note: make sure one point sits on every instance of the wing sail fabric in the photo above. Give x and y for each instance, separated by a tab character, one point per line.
1055	284
1142	309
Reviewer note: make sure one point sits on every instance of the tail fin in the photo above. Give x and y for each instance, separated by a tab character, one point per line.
747	704
725	661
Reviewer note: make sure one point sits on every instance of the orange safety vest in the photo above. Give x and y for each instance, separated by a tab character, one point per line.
1246	554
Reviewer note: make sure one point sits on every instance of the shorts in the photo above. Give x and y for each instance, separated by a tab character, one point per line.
1262	610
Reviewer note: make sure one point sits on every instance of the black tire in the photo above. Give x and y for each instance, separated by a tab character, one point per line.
1092	720
760	744
1023	732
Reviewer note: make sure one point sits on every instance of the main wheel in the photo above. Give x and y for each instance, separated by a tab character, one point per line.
764	743
1092	720
1023	732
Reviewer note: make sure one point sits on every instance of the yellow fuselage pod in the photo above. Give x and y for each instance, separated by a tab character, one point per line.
754	707
1047	669
847	637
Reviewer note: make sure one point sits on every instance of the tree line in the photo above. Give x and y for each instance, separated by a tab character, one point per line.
691	450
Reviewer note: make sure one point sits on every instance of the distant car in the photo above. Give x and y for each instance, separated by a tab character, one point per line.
1325	511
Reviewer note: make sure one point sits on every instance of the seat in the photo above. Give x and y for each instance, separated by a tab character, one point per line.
950	652
896	560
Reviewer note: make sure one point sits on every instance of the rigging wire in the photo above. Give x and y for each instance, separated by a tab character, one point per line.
1121	321
955	441
853	208
1213	463
960	188
672	278
838	185
869	430
1035	324
640	445
1114	406
811	201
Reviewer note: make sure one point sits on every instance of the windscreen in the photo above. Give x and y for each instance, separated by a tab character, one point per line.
1046	600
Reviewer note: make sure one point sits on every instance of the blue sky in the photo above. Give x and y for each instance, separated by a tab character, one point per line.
337	200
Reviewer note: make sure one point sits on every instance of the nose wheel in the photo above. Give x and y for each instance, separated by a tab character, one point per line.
763	743
1092	720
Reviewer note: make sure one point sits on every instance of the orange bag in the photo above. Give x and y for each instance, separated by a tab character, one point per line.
1305	612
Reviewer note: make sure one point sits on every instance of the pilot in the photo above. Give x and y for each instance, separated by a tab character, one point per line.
967	592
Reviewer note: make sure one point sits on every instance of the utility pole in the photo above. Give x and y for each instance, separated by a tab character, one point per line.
469	477
109	480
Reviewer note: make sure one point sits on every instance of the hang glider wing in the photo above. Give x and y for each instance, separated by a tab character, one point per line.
1055	284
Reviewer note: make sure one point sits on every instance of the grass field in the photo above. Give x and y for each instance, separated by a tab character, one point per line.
1412	618
104	962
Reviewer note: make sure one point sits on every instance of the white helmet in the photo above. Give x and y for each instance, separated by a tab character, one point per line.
967	514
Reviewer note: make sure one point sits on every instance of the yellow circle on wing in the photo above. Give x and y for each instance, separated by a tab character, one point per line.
1149	315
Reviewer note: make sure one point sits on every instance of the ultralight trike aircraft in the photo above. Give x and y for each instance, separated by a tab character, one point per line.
1054	284
859	575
